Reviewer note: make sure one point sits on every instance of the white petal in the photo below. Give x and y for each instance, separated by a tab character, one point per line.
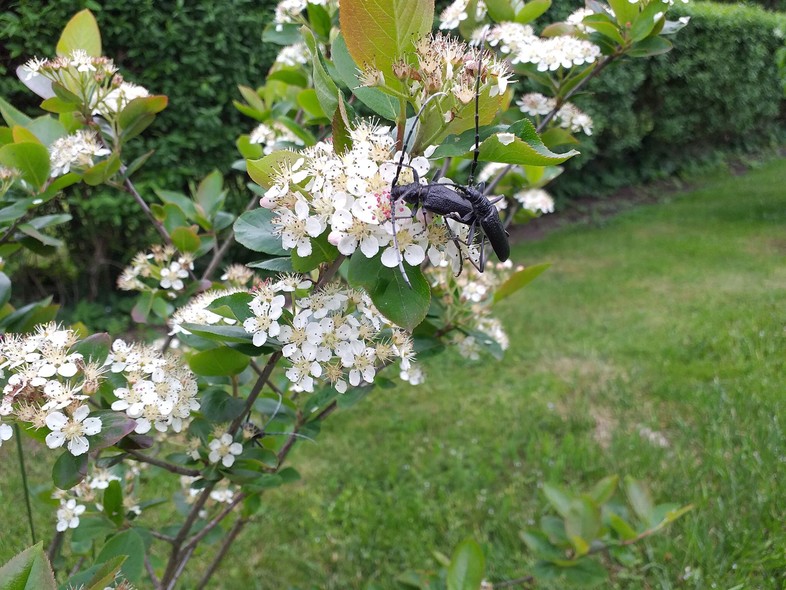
55	439
228	460
78	446
56	421
414	254
81	413
92	426
390	257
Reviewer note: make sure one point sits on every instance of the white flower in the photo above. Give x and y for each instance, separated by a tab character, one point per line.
75	151
224	449
68	515
74	430
535	200
5	433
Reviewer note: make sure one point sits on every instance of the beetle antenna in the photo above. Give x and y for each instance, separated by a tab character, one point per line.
476	148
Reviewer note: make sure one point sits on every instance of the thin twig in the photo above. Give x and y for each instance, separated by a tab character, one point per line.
77	567
258	386
179	469
25	489
150	571
223	550
219	254
131	189
161	536
54	546
180	568
330	272
213	523
516	582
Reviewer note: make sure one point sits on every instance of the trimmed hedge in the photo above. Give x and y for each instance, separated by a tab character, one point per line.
718	90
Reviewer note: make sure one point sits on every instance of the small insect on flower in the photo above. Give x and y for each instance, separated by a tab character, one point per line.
465	204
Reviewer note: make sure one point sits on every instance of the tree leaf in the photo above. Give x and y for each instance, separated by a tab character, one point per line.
283	264
604	489
379	33
210	193
216	405
467	566
130	544
69	470
30	158
321	251
12	116
5	289
114	427
233	306
382	104
532	10
28	570
99	576
639	499
264	170
326	89
94	348
558	498
510	148
499	10
255	230
185	239
139	113
650	46
582	523
519	280
402	305
222	361
583	574
81	32
113	503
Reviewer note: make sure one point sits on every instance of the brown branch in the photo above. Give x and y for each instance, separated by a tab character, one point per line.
171	467
160	536
223	550
329	272
150	571
213	523
219	254
258	386
129	187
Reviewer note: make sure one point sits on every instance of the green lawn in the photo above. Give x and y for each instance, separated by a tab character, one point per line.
669	316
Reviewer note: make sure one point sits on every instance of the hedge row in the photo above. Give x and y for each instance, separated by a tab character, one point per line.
718	90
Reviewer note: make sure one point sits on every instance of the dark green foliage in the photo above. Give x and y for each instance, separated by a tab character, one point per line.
717	91
195	52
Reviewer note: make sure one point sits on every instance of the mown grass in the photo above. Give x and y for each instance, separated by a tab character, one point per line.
669	316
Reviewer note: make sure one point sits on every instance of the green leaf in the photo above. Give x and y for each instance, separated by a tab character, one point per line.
326	89
622	527
379	33
5	289
290	76
217	405
467	566
210	193
283	264
220	333
500	10
603	24
639	499
604	489
233	306
264	171
31	159
382	104
645	22
222	361
12	116
28	570
130	544
650	46
308	100
558	498
461	145
81	32
99	576
624	11
103	171
255	230
321	251
139	113
510	148
537	542
582	574
582	523
402	305
319	19
113	503
556	137
58	105
286	34
114	427
532	10
185	239
342	140
179	200
69	470
519	280
94	348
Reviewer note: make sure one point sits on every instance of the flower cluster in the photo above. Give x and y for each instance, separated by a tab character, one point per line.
576	18
293	55
334	334
161	268
455	13
159	392
197	312
75	152
568	116
288	11
536	200
94	80
348	195
274	136
469	297
46	384
547	53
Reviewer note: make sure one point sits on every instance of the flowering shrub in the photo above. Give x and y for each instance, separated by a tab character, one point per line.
349	280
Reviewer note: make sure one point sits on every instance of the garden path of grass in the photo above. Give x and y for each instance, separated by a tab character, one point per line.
669	317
